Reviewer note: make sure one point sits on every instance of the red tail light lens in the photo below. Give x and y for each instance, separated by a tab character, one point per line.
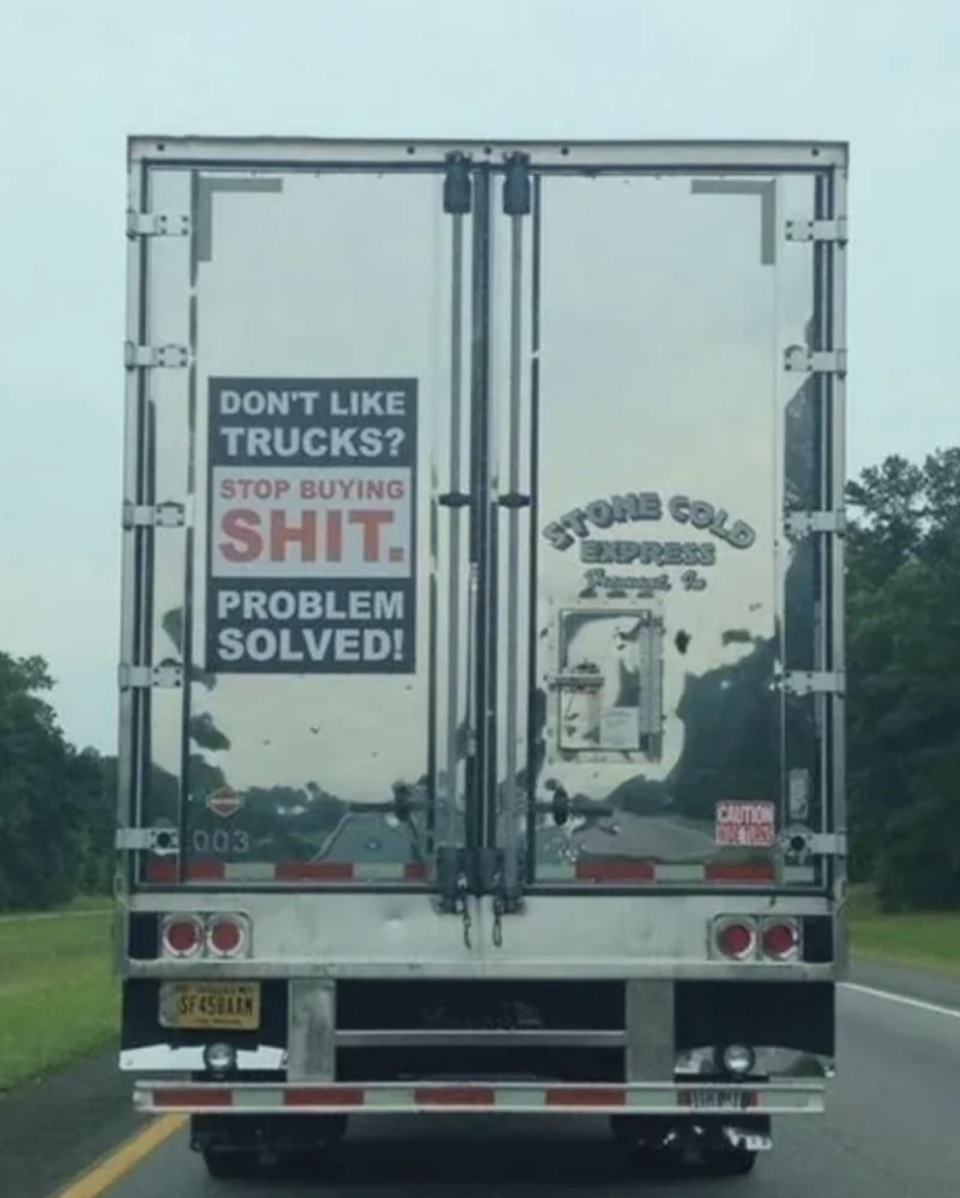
226	936
182	935
214	935
781	939
736	938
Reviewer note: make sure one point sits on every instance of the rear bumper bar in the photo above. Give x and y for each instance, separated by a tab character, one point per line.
395	1098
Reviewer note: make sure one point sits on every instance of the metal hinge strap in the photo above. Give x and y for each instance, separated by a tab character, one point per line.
161	841
798	359
829	844
148	356
799	524
157	224
818	230
156	515
801	842
575	680
150	677
813	682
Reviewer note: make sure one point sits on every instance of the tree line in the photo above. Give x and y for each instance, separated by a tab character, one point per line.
57	802
56	806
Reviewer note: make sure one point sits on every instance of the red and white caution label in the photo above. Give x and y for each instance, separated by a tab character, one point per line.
746	823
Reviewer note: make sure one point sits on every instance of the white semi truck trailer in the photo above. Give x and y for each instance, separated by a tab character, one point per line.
482	658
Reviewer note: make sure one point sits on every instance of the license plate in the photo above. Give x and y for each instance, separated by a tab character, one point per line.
718	1100
198	1005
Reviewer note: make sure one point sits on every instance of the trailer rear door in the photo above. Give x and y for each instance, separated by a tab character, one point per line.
297	392
669	664
480	520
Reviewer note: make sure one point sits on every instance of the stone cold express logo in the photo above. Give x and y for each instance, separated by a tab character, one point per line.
601	515
581	525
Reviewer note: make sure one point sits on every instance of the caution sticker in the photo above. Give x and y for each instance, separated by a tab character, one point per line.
747	824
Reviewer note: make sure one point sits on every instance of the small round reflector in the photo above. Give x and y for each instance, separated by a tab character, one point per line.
225	936
779	939
182	936
735	939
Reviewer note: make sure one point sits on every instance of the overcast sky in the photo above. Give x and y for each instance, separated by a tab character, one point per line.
76	78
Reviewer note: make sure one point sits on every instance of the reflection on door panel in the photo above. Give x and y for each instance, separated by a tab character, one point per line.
663	453
320	434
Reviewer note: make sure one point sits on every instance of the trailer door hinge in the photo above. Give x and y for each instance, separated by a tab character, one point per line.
517	185
818	230
458	185
798	359
157	224
799	524
165	675
812	682
161	841
154	515
155	355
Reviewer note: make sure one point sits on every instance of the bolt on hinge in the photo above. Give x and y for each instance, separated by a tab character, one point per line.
164	676
813	682
158	515
155	355
818	230
798	359
157	224
800	524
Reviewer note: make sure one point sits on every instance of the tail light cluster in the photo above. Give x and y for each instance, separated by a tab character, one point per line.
741	938
218	936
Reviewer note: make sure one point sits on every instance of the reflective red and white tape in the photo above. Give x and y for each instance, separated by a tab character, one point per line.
395	1098
611	871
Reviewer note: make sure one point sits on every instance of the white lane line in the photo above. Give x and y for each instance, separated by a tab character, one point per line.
916	1003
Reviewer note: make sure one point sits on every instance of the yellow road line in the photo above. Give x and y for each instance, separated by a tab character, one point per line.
124	1160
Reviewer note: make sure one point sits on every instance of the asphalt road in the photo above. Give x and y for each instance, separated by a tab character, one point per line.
51	1131
891	1132
651	836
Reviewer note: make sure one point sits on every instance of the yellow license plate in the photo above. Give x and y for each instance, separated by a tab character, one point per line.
199	1005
